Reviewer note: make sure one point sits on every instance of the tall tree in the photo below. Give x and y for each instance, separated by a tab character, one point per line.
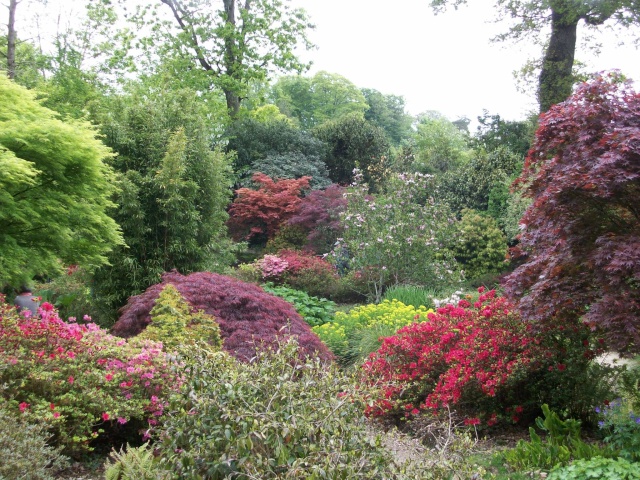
55	187
581	234
388	113
236	42
563	17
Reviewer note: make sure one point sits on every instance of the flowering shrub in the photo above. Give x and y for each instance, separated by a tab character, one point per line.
272	267
248	317
399	237
484	360
78	378
354	335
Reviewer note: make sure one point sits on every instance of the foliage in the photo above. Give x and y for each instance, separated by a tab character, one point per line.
55	187
388	113
248	317
507	208
622	429
630	384
79	379
24	449
315	311
315	100
174	192
398	237
276	417
352	336
494	133
562	444
319	214
582	232
254	141
288	237
413	295
260	212
354	143
173	324
597	468
136	463
293	165
478	246
488	363
440	145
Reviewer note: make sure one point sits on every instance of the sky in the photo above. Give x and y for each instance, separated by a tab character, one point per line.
443	62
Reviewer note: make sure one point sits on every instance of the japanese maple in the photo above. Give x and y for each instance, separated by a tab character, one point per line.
581	235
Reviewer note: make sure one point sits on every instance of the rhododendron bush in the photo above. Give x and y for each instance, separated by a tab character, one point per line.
77	379
482	360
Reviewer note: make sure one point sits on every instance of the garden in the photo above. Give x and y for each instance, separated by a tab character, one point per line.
207	273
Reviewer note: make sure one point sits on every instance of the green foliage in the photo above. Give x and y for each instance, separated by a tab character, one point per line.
561	445
478	246
597	468
494	133
174	192
630	384
276	417
388	113
54	190
293	165
318	99
173	324
24	449
413	295
136	463
353	335
288	237
622	428
354	143
440	145
315	311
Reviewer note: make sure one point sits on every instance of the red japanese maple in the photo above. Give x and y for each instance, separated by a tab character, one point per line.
581	236
262	211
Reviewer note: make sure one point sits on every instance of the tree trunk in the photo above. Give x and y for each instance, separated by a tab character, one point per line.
556	80
230	58
233	103
11	40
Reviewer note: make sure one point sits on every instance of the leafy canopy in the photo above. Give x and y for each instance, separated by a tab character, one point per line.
55	188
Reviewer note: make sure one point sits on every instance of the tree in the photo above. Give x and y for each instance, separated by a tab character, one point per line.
55	189
354	143
582	233
556	81
235	43
387	112
494	132
174	189
11	39
323	97
440	145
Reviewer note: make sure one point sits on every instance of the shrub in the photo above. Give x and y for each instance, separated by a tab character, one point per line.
597	468
315	311
622	429
246	314
352	336
294	165
561	445
479	246
24	449
136	463
413	295
173	323
259	213
275	417
488	363
78	378
288	237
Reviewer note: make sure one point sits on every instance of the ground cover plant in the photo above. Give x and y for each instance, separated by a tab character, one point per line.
413	295
78	380
315	311
247	316
352	335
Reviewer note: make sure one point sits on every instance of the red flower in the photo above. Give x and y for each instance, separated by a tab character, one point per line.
105	416
47	307
23	406
70	380
108	377
472	421
561	367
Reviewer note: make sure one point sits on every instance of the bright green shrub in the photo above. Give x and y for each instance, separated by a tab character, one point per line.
24	452
247	272
561	445
277	417
136	463
597	468
479	245
352	336
79	379
173	324
315	311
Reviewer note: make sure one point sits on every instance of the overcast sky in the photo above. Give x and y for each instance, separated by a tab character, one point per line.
445	62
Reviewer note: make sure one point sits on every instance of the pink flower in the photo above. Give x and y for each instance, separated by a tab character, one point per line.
108	377
70	354
122	420
70	380
105	416
23	406
47	307
56	414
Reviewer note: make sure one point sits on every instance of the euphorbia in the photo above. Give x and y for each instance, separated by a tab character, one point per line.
77	377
